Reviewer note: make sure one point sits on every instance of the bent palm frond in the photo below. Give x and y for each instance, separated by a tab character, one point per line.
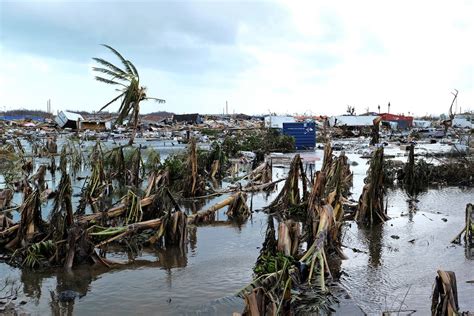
112	101
156	99
108	81
114	75
109	65
123	60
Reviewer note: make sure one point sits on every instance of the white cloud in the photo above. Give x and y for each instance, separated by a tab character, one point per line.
321	58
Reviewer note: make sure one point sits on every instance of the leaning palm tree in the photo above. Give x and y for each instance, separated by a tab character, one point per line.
131	93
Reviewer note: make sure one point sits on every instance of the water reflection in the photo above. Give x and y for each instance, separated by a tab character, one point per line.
412	208
192	238
373	238
32	283
470	252
71	285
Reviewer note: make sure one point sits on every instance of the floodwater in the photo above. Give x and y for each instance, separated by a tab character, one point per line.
388	274
397	273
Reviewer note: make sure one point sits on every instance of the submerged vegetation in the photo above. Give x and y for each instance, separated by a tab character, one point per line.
125	198
131	200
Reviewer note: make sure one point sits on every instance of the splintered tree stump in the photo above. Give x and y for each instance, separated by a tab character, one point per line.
445	295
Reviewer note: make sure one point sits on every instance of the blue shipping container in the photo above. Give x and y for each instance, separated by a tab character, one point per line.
304	134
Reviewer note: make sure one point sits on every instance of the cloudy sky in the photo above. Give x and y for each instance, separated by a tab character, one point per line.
260	56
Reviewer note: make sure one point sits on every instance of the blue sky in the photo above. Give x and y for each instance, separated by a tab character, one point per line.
279	56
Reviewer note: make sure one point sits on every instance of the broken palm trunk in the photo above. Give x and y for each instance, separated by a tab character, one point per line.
156	181
52	166
468	229
415	175
290	197
284	286
116	164
6	196
339	179
260	175
31	223
375	131
371	209
338	184
194	184
215	166
171	230
216	161
238	210
136	170
327	159
51	146
97	186
314	202
61	218
288	238
445	295
80	248
38	179
330	187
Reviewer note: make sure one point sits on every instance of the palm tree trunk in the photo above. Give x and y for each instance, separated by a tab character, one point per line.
135	119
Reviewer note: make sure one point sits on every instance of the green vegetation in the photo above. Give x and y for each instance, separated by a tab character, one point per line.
268	140
128	81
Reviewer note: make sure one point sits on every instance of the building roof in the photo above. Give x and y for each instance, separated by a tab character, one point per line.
72	116
394	117
352	120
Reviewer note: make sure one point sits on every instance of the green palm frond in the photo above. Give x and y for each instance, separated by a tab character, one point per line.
134	69
114	75
111	66
112	101
132	93
156	99
108	81
123	60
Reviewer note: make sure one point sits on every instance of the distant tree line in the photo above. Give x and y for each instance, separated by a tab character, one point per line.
23	112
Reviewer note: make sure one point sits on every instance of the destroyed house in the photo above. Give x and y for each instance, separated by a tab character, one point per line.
403	122
67	119
352	121
194	118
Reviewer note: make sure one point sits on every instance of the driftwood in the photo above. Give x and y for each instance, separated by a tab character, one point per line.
209	214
